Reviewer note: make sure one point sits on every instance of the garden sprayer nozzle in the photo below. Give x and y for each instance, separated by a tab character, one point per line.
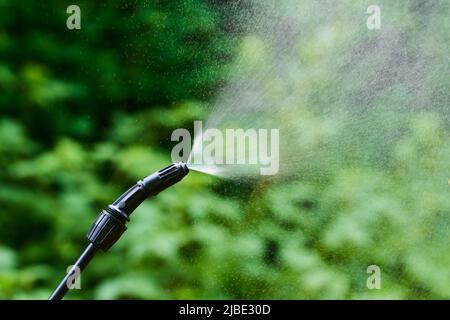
150	186
110	223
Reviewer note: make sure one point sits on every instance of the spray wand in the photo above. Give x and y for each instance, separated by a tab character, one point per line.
110	223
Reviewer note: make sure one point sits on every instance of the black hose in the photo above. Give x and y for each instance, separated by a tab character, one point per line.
79	266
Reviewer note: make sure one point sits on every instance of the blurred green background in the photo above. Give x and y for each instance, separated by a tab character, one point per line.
86	113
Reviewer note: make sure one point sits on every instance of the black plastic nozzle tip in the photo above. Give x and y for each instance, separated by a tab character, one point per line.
165	177
174	171
183	167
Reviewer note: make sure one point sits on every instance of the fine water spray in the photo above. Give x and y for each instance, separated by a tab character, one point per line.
111	222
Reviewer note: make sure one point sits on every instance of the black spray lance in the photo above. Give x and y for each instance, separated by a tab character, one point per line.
110	224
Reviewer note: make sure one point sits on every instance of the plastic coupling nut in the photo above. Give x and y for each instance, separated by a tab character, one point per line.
107	228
